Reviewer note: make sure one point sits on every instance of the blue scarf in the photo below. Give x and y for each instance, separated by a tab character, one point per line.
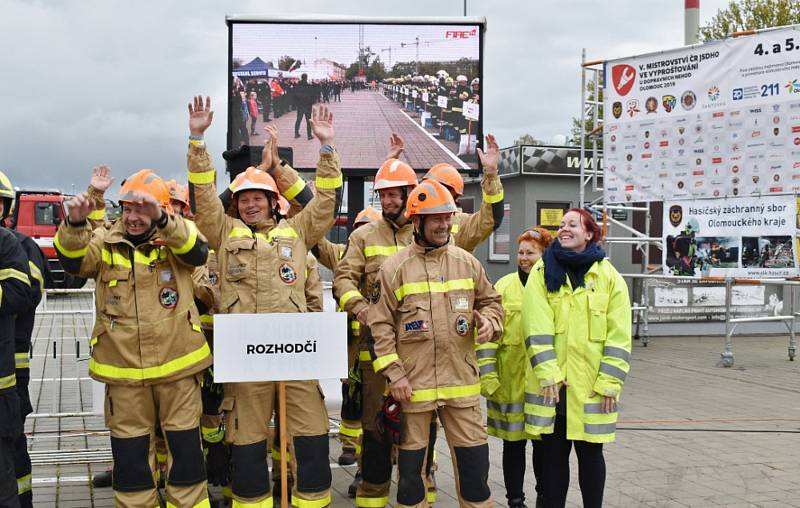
558	261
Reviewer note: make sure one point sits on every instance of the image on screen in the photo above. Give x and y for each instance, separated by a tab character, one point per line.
421	81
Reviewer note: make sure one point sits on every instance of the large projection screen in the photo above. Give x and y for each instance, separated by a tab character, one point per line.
420	78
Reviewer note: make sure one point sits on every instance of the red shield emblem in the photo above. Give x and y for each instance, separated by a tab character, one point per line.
623	76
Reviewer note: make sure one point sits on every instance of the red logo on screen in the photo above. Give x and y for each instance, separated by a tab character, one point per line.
623	76
461	34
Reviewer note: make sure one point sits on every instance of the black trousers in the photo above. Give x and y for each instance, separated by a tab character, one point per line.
8	479
303	111
555	449
514	468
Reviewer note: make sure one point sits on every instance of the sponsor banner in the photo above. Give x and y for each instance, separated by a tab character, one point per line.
721	119
682	300
280	347
732	237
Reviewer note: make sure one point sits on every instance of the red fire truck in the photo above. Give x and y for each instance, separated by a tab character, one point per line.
37	214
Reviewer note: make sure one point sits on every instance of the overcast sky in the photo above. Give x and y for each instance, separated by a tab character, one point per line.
107	81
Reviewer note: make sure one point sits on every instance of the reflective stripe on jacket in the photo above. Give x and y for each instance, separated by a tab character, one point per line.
503	364
583	336
423	326
148	327
470	229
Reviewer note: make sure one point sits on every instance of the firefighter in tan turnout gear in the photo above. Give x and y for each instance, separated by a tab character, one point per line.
470	229
147	344
350	431
433	301
355	286
262	264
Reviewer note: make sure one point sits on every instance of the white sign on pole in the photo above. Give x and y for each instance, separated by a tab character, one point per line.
734	237
471	110
717	120
280	347
424	96
441	101
98	397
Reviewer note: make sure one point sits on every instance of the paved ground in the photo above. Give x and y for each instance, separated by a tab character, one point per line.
691	434
364	120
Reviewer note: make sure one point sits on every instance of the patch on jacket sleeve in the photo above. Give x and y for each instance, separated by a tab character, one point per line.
287	273
168	297
418	325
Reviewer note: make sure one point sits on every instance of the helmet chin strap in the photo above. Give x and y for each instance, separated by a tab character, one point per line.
422	239
394	216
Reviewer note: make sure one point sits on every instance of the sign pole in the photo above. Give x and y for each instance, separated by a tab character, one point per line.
282	433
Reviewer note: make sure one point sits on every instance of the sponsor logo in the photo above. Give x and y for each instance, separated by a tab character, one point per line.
623	77
633	107
461	34
616	109
651	105
713	93
793	86
738	94
663	143
688	100
669	102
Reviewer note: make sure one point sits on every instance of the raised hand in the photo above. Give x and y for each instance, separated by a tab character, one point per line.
491	157
269	155
322	125
101	178
483	326
200	115
149	205
396	146
79	208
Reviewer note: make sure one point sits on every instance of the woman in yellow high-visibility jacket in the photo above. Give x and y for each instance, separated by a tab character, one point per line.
579	346
502	367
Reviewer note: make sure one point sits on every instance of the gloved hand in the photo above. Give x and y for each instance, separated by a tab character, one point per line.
218	463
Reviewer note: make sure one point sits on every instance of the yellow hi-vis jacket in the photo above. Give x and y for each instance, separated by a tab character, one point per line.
502	366
423	326
148	327
583	336
470	229
262	268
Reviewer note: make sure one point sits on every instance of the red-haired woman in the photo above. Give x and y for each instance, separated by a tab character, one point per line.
577	322
502	366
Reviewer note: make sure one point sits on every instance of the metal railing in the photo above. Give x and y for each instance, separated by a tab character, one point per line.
731	322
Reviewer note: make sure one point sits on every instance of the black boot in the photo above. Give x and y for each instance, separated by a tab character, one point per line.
353	488
348	457
517	503
101	480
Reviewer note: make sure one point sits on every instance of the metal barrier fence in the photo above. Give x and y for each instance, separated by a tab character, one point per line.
641	310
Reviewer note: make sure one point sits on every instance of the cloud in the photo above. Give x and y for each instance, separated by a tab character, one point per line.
108	81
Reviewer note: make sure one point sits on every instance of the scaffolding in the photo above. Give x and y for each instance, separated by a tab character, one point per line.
592	73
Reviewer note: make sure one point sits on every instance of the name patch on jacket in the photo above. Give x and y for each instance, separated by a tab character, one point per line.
459	302
418	325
